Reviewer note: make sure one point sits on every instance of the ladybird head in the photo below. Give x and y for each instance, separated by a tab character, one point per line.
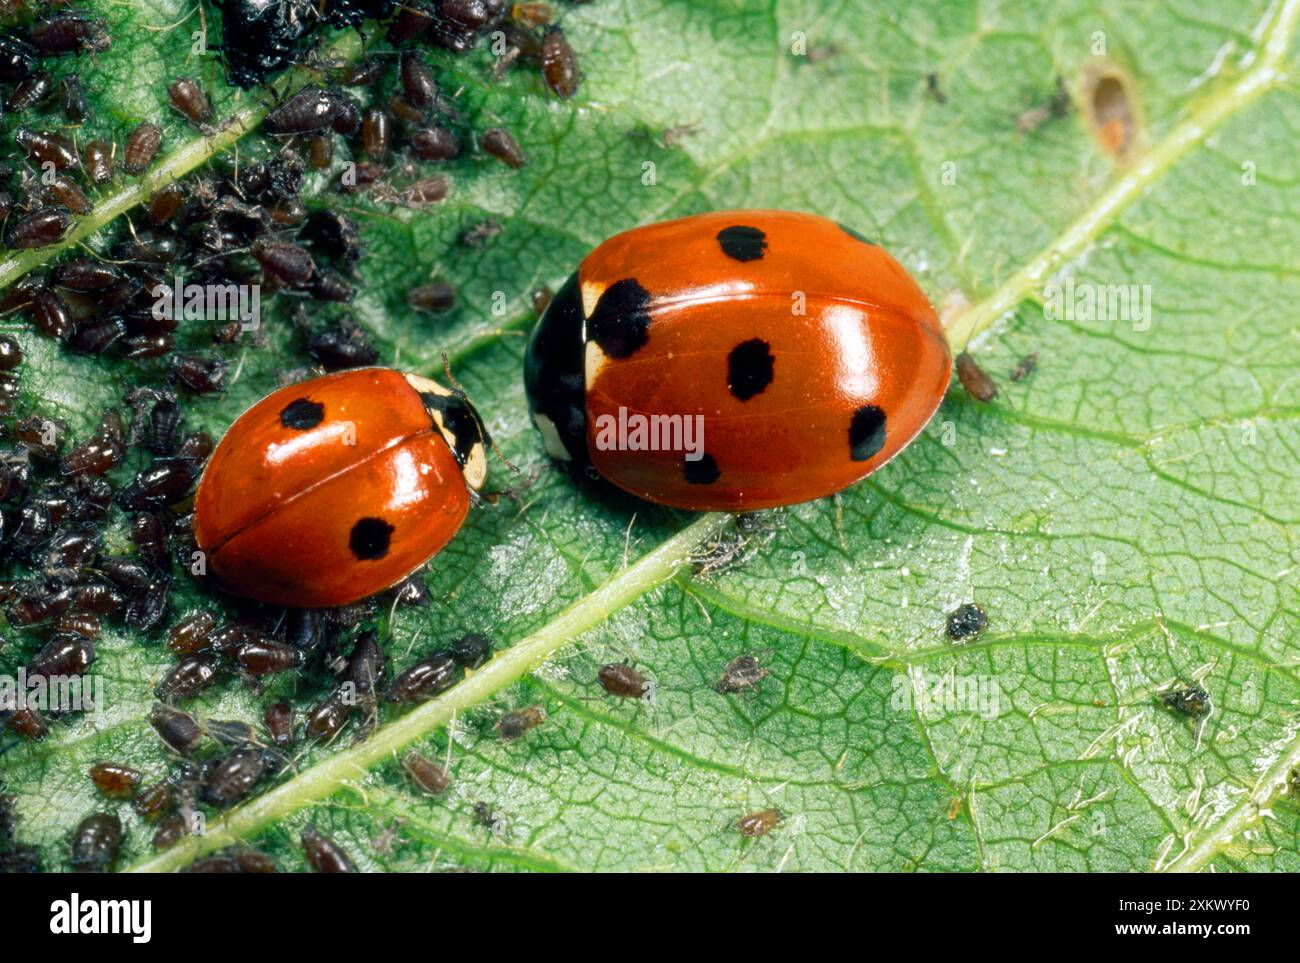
459	423
554	376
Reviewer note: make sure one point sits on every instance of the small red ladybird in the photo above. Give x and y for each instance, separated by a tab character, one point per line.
327	491
736	360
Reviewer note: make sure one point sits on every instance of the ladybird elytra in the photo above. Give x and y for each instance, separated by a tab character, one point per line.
332	489
806	356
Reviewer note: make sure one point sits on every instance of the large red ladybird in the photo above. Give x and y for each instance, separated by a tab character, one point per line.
736	360
330	490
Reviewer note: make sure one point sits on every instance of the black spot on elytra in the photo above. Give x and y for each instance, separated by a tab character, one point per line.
302	414
369	539
620	322
702	472
749	368
855	235
742	243
866	432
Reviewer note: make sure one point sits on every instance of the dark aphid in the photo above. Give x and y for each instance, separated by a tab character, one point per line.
303	629
84	624
259	36
164	424
69	32
95	843
413	18
38	229
31	526
146	345
759	823
622	680
965	621
87	274
165	482
171	831
115	780
266	656
457	22
361	74
17	59
975	379
360	177
11	353
514	724
73	98
405	112
51	316
323	854
1188	698
196	447
190	634
430	777
66	655
418	84
150	539
366	664
427	678
26	722
35	90
328	285
45	147
345	346
231	733
226	640
1025	367
498	142
333	234
141	148
285	262
187	678
41	436
21	293
99	598
427	190
376	133
289	212
541	299
322	152
471	650
234	776
98	162
327	718
559	63
188	97
437	296
234	860
64	192
96	337
201	373
741	674
166	204
151	803
68	553
312	110
94	456
146	611
278	719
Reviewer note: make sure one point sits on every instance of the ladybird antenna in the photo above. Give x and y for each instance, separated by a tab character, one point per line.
464	396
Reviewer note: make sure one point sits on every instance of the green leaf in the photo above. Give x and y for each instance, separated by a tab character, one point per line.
1126	514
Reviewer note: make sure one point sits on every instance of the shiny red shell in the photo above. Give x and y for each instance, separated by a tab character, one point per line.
327	491
810	356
